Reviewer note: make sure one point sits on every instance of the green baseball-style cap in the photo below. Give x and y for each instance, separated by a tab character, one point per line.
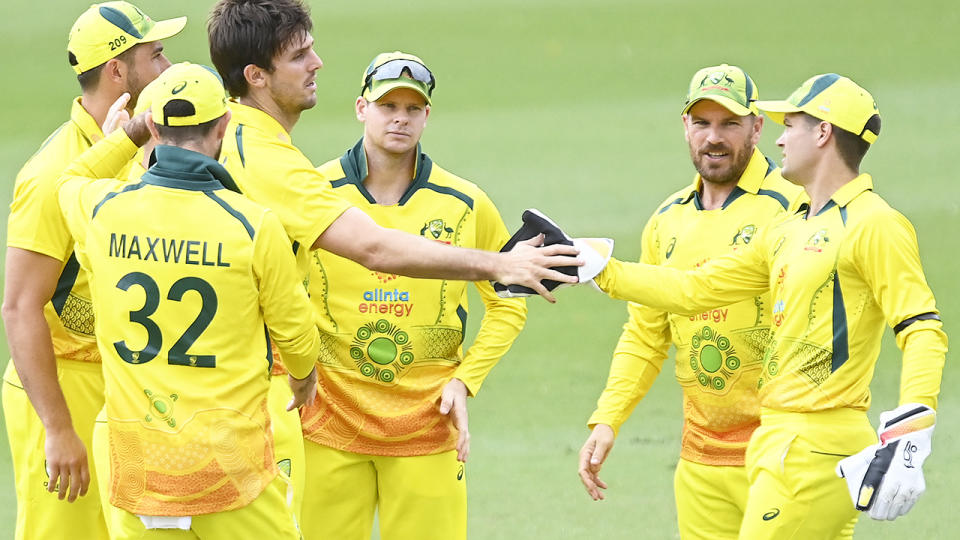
729	86
105	30
831	98
389	71
198	85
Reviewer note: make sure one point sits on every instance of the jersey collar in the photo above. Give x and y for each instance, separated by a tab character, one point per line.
354	164
85	123
254	117
852	189
185	169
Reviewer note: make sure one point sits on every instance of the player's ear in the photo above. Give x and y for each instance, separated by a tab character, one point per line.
824	131
114	70
255	76
151	127
685	120
757	129
426	115
222	125
360	107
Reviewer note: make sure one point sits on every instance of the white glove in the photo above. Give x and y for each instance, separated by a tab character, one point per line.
886	479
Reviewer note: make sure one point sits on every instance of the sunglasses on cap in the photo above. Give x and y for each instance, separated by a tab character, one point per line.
394	70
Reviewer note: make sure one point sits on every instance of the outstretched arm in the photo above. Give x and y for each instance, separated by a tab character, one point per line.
356	236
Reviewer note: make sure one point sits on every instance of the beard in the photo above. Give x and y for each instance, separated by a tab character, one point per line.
715	173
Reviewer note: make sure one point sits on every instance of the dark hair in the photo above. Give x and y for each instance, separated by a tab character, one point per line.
852	147
90	78
244	32
179	135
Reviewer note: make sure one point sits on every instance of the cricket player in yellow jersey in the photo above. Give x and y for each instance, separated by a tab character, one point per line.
737	192
389	432
114	48
264	52
191	282
838	269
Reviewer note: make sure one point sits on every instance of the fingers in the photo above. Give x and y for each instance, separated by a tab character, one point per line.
463	445
542	291
75	483
588	474
293	403
116	114
446	403
536	241
564	250
84	479
556	275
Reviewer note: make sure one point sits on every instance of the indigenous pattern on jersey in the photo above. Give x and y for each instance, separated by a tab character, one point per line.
186	276
835	278
390	343
719	351
260	156
35	224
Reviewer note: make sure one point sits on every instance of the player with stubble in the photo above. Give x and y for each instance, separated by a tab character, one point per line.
737	193
264	53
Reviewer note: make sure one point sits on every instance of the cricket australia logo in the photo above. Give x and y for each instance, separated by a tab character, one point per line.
161	408
716	78
436	228
381	350
818	241
744	235
713	358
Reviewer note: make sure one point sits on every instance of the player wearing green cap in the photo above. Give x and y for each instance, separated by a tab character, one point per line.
192	282
114	48
838	270
389	432
735	195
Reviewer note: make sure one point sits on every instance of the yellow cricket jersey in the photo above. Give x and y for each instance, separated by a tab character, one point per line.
391	343
35	224
260	156
719	351
186	278
835	278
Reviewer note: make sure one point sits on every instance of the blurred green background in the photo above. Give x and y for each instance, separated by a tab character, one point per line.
573	107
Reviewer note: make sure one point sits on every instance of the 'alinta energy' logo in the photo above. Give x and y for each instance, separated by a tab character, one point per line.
381	350
713	358
435	228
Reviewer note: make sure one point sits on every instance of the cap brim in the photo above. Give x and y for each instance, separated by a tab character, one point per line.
777	109
727	103
384	87
165	29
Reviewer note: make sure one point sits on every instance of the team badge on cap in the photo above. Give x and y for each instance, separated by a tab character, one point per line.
729	86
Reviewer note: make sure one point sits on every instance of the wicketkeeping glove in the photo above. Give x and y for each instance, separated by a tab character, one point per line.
595	252
886	479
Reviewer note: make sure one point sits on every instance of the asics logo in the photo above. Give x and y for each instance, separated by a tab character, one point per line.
908	450
771	514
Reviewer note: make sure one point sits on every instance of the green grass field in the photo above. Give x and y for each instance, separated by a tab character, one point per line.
573	107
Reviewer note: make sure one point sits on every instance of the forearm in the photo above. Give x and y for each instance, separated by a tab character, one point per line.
31	349
502	323
668	289
924	350
105	159
630	379
397	252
